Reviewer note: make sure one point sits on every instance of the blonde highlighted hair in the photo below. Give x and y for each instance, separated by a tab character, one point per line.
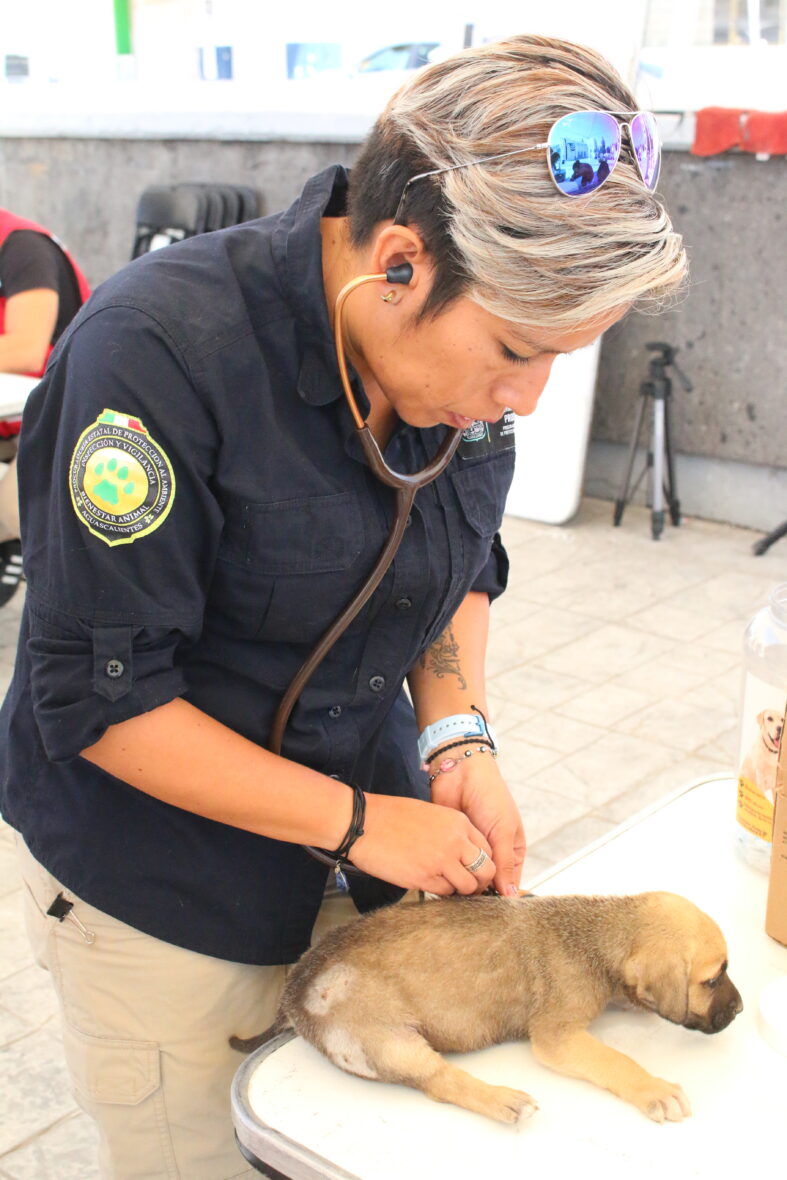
500	233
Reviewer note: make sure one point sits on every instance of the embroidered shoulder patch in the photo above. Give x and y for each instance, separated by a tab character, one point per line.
121	481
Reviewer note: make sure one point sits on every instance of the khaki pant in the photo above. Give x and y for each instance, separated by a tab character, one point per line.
145	1028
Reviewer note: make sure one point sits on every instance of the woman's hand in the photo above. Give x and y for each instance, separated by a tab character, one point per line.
476	787
420	845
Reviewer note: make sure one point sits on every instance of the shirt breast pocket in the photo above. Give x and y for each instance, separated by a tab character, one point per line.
482	490
286	568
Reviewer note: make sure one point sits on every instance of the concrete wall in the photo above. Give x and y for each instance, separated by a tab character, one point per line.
728	327
86	190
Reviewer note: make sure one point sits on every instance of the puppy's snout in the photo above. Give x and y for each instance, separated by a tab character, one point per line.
726	1013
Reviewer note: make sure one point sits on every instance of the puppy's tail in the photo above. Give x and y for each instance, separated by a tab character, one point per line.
280	1025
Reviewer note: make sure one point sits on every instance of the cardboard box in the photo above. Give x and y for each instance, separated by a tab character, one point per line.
776	913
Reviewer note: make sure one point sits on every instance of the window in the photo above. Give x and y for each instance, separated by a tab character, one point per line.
699	53
398	57
715	22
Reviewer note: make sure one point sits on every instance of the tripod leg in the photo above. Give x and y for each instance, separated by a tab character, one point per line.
764	544
620	503
657	513
670	488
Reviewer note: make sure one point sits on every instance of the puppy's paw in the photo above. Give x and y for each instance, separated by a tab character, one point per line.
509	1106
662	1101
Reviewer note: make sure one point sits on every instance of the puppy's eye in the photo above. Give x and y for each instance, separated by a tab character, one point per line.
716	979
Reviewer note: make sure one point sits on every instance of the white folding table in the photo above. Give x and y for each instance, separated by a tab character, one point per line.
298	1116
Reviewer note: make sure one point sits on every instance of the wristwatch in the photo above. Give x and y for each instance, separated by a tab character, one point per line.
468	725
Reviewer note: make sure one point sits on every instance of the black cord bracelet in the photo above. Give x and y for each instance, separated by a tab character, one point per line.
471	741
354	832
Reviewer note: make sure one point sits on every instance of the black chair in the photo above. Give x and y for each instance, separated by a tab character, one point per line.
250	202
214	206
169	213
240	203
232	206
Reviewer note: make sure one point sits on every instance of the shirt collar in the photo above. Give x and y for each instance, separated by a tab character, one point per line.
297	246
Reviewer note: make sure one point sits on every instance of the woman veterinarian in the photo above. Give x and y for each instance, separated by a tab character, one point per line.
197	511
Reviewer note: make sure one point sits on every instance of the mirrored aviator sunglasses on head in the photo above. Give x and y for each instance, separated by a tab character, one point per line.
582	150
584	147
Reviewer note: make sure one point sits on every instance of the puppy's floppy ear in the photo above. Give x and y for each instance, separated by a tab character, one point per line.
761	719
659	977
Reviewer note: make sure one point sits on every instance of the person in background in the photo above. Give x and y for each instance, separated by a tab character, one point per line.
41	290
197	510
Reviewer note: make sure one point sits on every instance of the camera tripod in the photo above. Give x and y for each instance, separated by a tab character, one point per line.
659	461
764	544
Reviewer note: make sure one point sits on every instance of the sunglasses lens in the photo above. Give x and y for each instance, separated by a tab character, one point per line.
583	149
647	148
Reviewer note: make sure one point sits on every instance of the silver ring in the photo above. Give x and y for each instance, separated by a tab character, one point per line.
478	863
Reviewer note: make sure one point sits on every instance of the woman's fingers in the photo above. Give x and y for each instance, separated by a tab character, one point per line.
481	868
423	846
460	881
455	880
508	846
440	886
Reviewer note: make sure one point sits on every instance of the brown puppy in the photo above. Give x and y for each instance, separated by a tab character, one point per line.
383	996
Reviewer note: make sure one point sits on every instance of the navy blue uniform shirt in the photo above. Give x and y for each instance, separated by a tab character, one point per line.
195	512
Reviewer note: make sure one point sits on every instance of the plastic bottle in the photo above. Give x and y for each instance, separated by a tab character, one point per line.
762	721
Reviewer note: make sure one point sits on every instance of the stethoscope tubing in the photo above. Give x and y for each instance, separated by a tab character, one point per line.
405	485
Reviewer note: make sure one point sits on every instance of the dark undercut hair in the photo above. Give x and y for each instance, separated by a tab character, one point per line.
386	163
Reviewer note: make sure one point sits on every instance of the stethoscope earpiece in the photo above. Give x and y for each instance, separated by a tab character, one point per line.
399	274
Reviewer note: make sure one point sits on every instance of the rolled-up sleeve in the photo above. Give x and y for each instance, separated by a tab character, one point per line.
493	578
120	527
85	678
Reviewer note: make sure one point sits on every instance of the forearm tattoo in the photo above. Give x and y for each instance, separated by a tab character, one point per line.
442	658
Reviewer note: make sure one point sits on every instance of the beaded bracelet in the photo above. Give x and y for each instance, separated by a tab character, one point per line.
453	745
448	764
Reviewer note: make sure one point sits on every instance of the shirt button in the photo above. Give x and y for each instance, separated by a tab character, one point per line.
377	683
404	603
114	668
335	711
408	522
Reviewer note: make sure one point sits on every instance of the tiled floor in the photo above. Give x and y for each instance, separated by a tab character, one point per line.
614	669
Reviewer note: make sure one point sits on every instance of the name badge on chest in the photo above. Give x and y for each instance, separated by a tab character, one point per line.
483	439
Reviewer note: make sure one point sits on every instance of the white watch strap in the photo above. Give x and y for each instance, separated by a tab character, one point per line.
469	725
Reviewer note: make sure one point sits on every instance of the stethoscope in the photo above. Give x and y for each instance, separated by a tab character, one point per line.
406	486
